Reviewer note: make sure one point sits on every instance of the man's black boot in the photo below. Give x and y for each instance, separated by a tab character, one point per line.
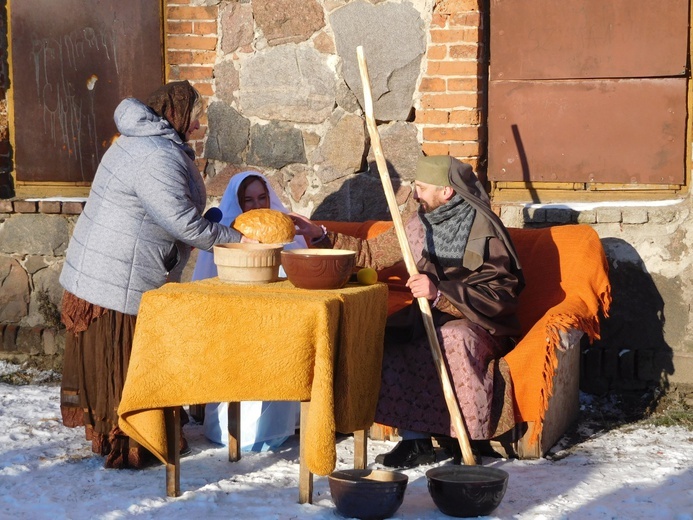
407	454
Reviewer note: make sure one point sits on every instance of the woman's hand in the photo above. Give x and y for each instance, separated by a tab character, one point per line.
422	287
246	240
305	227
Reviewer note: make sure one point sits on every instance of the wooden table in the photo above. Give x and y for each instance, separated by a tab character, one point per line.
209	341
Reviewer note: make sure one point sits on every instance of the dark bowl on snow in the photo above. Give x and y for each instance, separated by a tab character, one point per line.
466	491
368	494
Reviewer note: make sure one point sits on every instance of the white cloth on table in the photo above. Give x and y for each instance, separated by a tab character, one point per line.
264	424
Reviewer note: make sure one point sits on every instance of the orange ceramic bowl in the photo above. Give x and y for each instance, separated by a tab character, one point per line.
318	268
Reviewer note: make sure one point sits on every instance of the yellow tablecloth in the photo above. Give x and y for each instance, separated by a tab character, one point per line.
210	341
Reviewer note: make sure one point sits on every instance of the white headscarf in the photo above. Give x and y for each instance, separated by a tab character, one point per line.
230	209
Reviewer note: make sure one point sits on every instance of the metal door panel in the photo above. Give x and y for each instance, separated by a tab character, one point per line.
563	39
615	131
72	62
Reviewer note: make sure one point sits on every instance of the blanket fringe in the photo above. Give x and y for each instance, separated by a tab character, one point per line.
557	324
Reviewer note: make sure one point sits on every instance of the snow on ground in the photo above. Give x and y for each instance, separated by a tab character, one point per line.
47	471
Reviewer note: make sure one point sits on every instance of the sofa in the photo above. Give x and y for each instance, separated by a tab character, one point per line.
567	291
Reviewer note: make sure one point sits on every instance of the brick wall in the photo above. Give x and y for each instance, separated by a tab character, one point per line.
191	50
453	86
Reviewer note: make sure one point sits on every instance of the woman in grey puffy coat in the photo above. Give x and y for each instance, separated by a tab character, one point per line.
143	215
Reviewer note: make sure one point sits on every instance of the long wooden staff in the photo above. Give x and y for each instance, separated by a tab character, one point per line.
450	399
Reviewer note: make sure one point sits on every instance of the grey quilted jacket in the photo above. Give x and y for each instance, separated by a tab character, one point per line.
143	213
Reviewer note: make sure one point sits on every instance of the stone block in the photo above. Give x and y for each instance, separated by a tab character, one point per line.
303	85
559	215
36	234
644	367
634	216
271	16
662	215
29	340
587	217
626	364
534	215
50	342
592	379
608	215
228	133
276	145
9	338
393	50
610	363
6	206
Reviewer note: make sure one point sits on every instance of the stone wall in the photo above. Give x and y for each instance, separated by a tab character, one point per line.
283	97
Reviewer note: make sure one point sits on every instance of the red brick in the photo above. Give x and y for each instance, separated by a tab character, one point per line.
456	6
24	206
431	116
176	27
195	72
192	13
470	149
439	20
463	84
432	85
470	34
189	58
72	208
466	52
49	206
470	19
449	100
437	52
6	206
456	133
205	28
206	89
202	43
435	149
453	68
465	117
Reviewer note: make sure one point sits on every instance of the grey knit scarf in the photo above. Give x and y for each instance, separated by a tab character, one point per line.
447	232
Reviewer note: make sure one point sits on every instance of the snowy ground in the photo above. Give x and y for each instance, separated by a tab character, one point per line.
47	471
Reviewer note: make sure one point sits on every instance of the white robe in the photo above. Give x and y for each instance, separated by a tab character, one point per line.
264	424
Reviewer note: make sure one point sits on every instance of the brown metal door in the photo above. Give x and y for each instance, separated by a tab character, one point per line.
72	62
588	91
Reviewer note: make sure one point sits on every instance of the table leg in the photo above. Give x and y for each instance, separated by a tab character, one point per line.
172	421
305	477
360	445
234	431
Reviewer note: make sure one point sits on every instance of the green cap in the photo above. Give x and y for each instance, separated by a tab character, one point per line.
434	170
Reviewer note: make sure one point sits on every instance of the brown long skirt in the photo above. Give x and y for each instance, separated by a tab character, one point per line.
94	369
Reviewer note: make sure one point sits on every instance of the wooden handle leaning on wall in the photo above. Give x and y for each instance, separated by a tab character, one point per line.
450	399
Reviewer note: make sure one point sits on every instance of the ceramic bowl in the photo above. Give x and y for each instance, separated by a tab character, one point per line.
318	268
247	262
466	491
367	494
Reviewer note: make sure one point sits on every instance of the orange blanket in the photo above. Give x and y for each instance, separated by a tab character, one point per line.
567	286
209	341
566	273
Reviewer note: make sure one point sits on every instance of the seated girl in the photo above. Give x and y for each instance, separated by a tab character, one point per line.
264	424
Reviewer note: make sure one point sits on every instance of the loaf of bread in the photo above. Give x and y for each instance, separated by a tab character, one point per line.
267	226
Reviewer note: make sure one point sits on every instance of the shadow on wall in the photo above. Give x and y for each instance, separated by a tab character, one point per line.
632	353
361	197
